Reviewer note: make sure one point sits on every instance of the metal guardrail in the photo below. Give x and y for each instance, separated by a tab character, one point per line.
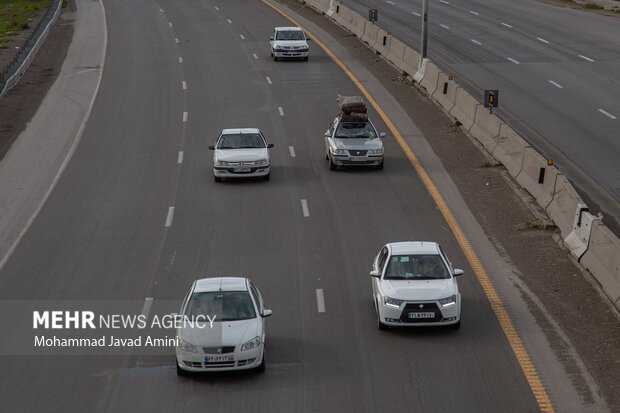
18	66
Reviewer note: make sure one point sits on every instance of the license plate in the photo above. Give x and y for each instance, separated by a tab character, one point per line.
241	170
358	158
421	315
218	359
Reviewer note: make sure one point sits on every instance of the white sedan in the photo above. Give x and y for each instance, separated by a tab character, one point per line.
288	42
414	284
222	326
241	153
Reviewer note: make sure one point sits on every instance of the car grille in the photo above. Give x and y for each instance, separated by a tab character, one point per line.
426	308
244	163
358	153
218	350
199	365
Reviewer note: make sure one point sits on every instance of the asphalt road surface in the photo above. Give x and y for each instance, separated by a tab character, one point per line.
555	69
174	77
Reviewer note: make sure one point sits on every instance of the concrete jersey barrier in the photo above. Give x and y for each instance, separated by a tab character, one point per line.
603	261
464	109
510	150
535	170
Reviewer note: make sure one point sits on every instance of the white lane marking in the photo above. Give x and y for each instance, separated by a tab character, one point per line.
391	2
292	151
281	110
184	84
476	41
512	60
184	116
444	26
170	24
507	25
609	115
255	56
559	86
473	12
161	10
542	40
304	208
180	59
417	14
586	58
217	8
176	40
146	308
169	217
268	79
242	37
229	21
180	157
320	300
444	1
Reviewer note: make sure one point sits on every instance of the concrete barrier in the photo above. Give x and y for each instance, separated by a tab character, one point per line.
350	20
332	8
486	128
411	61
577	241
396	51
603	261
320	5
510	150
464	109
371	33
431	78
534	170
445	100
564	204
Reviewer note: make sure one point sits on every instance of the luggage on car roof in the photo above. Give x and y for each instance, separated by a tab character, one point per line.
352	109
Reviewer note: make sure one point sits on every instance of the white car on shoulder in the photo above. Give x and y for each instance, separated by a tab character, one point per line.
414	284
222	326
241	153
288	42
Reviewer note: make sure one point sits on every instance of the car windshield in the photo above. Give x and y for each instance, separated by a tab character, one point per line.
241	141
224	305
290	35
361	130
416	267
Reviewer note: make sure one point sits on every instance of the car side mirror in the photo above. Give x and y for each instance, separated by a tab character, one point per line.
382	135
270	145
212	147
308	39
458	272
271	38
375	273
327	134
267	313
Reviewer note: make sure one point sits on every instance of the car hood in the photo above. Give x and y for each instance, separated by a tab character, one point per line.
358	144
296	43
415	290
224	333
241	155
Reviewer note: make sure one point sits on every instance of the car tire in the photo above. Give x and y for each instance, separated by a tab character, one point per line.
217	179
380	325
266	177
326	156
456	326
261	367
332	165
305	58
275	58
380	166
181	372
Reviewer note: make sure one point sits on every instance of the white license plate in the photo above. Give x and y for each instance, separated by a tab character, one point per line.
241	170
218	359
358	158
421	315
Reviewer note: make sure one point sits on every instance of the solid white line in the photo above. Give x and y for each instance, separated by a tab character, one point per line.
161	10
476	41
184	116
586	58
217	8
512	60
320	300
146	309
292	151
444	2
556	84
268	79
242	38
180	157
444	26
180	60
607	114
542	40
507	25
391	2
417	14
169	24
255	56
169	217
176	40
281	110
304	208
184	84
473	12
229	21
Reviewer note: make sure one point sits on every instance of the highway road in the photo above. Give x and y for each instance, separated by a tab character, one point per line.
555	69
137	214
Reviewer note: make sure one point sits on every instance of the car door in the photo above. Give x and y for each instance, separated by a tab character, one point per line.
272	40
329	134
259	304
379	265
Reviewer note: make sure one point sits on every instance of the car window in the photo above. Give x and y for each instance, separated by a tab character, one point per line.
383	258
290	35
257	297
241	141
362	130
225	305
417	267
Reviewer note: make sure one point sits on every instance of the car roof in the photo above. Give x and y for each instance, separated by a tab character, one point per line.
240	130
221	284
292	28
414	247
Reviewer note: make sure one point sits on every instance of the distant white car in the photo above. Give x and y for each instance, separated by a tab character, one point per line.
241	153
288	42
223	326
414	284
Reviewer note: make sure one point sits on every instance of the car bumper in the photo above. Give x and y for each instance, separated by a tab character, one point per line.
401	316
230	172
357	160
242	360
291	53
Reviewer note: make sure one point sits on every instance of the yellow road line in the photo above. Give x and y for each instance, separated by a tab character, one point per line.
531	375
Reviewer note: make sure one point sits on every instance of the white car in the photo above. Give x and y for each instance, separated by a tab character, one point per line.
241	153
222	326
414	284
288	42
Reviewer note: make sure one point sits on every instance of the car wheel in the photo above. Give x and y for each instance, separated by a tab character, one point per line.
261	367
456	326
380	166
266	177
380	325
217	179
306	58
181	372
332	165
275	58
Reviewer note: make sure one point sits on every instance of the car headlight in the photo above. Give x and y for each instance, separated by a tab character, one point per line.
278	49
392	302
336	151
217	162
255	342
303	49
448	301
375	151
262	162
185	346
